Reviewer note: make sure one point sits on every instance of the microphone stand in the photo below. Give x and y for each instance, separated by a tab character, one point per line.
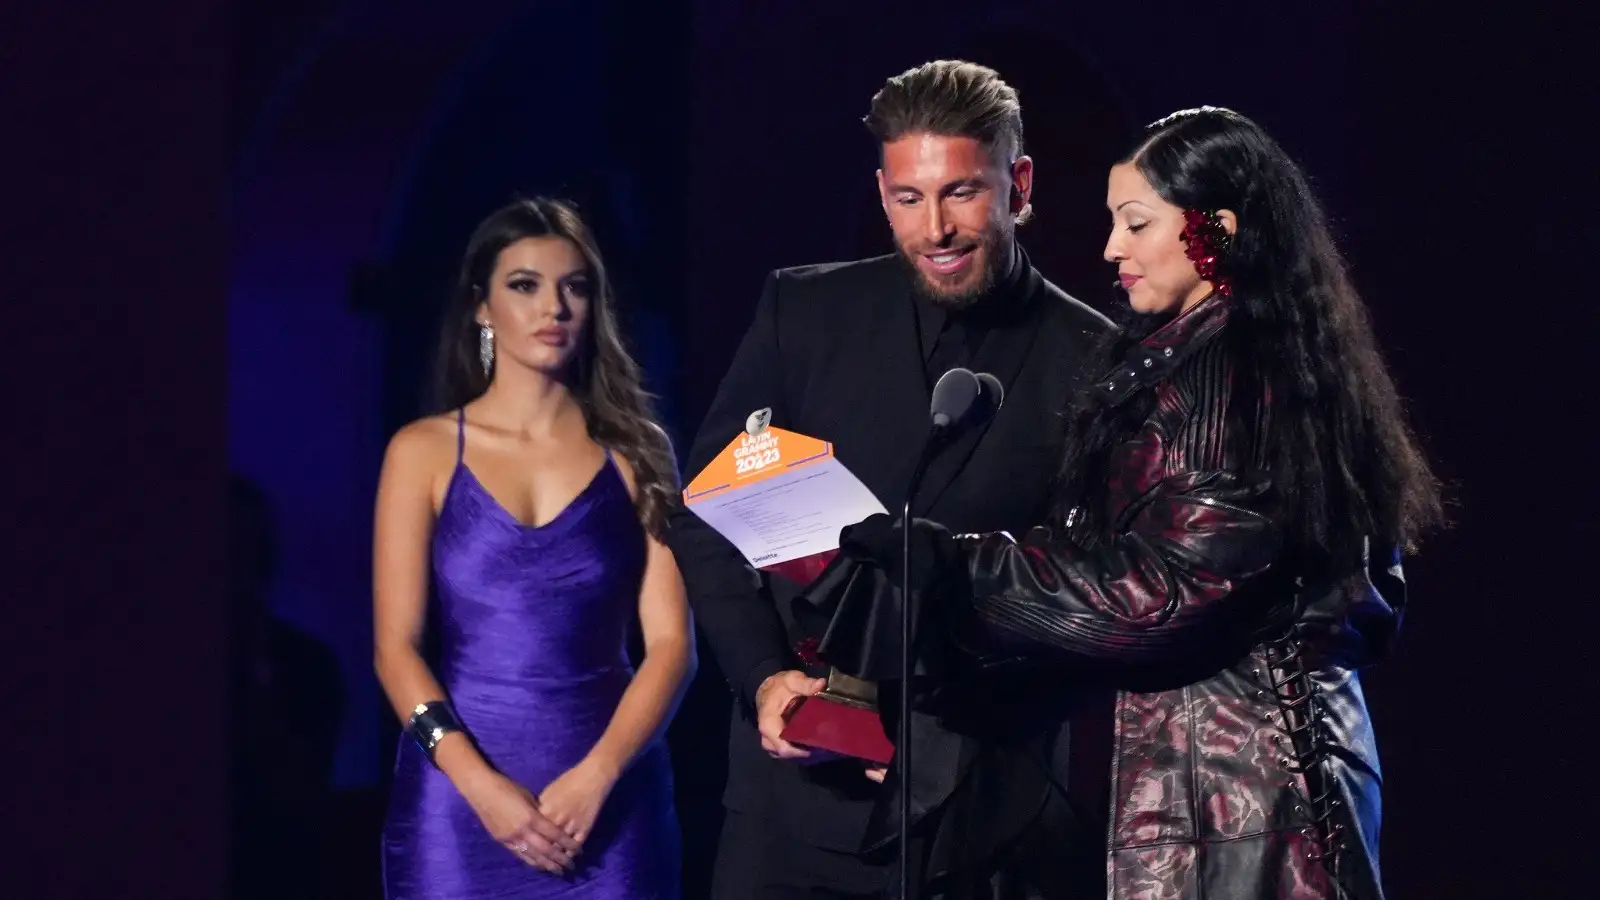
903	727
953	401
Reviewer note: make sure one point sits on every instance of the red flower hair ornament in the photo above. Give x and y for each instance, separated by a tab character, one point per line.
1208	243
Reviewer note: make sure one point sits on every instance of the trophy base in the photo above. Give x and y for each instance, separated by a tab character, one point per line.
841	725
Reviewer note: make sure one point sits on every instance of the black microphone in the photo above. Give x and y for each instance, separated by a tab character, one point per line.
990	399
953	396
960	399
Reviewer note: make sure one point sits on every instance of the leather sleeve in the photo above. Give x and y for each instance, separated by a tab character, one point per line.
1166	580
743	629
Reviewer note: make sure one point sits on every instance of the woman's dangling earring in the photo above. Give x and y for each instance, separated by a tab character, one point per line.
486	348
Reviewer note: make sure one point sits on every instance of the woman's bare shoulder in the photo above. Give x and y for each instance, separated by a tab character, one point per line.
426	445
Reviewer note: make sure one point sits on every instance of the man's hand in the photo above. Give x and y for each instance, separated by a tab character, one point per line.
877	773
773	699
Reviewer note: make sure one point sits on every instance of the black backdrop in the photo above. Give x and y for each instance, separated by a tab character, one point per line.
1469	215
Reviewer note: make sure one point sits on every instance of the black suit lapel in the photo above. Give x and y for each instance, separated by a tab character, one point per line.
894	375
1001	354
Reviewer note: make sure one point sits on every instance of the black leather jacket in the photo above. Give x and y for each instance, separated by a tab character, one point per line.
1244	763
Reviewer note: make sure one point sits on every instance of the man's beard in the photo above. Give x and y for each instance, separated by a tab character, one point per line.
996	252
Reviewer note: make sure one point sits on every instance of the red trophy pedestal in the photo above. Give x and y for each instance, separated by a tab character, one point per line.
839	720
843	718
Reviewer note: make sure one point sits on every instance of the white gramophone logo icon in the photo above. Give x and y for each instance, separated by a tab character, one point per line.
757	421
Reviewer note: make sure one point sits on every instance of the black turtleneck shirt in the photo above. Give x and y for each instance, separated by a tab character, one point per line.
951	337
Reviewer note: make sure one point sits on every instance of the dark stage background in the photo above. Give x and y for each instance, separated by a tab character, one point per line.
229	227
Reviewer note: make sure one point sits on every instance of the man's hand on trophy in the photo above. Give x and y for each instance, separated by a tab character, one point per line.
774	699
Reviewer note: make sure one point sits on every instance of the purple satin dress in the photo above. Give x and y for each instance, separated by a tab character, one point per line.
534	623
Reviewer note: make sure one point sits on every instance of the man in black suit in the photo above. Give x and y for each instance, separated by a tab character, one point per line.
848	353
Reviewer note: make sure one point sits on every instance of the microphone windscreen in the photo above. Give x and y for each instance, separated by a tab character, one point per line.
953	396
994	393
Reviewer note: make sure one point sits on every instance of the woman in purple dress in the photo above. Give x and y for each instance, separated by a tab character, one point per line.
533	765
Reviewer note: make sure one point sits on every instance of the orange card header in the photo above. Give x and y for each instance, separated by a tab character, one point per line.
749	459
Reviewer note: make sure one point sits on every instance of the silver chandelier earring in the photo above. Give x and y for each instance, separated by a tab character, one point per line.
486	347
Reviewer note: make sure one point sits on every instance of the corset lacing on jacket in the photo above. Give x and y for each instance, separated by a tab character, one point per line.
1302	739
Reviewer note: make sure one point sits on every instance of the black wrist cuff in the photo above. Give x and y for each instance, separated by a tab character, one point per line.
430	722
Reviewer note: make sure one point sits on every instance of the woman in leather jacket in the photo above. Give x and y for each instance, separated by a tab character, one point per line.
1237	489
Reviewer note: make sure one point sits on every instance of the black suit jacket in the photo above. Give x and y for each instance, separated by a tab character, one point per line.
834	352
